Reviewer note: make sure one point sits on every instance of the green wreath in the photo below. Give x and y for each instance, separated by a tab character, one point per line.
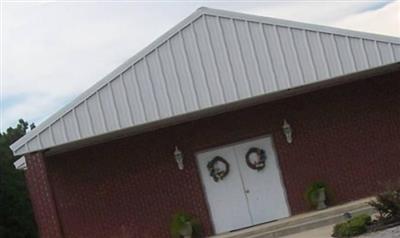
259	164
215	172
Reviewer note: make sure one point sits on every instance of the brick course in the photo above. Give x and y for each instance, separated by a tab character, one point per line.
348	136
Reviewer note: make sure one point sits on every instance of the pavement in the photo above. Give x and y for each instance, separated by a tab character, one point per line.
326	231
322	232
388	233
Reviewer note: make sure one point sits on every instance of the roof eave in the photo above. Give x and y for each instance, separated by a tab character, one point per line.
224	108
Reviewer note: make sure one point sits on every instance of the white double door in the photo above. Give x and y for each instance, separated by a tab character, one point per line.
245	197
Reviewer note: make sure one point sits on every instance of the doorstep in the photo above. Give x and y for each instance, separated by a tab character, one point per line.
302	222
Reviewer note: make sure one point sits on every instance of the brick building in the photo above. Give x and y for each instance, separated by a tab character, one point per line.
322	104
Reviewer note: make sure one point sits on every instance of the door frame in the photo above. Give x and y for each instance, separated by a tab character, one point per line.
233	144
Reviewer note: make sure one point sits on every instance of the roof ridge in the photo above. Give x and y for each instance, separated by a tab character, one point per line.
299	25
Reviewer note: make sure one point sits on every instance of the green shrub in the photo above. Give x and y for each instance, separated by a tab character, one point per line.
311	194
179	220
387	204
355	226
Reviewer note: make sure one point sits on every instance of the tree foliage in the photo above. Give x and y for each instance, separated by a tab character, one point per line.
16	216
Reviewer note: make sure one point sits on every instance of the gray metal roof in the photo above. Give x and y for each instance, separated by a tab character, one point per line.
211	58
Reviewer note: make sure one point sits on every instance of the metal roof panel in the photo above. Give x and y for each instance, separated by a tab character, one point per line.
213	57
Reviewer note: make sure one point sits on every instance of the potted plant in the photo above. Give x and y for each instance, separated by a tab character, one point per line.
318	195
184	225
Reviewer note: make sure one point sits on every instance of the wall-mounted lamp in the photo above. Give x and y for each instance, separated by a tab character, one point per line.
287	131
178	157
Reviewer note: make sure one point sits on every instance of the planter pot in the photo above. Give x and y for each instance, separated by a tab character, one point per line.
186	231
321	199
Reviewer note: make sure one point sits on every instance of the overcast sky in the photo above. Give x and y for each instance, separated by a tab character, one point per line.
51	52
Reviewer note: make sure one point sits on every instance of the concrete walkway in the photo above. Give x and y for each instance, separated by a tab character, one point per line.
388	233
326	231
322	232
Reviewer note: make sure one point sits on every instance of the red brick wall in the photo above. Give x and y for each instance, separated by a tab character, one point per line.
348	136
41	196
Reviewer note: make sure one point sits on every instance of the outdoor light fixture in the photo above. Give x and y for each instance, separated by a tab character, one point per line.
178	157
287	131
